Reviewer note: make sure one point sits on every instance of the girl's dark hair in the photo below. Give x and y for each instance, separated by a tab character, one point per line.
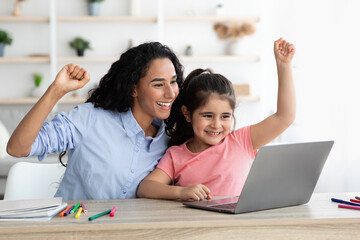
115	89
197	88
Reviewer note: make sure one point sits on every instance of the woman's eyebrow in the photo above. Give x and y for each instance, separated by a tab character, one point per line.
162	79
157	80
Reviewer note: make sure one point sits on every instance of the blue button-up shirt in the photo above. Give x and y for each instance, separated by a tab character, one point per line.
109	154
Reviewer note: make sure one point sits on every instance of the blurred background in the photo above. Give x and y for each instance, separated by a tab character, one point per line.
325	34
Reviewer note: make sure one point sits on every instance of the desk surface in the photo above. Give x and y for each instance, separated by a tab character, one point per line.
161	219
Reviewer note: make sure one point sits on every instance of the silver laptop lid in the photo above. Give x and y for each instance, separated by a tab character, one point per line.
283	175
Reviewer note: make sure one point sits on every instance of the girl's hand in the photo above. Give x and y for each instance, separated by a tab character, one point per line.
196	192
284	51
70	78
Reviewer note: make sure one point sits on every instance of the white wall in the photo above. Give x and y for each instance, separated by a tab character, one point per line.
325	34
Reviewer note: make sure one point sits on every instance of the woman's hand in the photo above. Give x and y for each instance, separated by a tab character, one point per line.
196	193
284	51
71	77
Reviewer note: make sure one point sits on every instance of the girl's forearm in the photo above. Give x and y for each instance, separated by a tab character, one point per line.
286	104
153	189
19	144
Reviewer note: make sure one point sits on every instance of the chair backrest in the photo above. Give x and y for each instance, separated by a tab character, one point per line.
33	180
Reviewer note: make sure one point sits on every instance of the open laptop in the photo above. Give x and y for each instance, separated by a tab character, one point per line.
280	176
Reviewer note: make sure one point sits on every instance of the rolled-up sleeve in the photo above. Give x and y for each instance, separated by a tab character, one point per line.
62	133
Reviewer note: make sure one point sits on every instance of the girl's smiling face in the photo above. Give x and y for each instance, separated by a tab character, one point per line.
211	122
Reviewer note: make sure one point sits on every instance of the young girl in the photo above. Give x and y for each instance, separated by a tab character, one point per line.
212	160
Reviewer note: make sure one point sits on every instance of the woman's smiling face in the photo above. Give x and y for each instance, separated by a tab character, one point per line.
156	91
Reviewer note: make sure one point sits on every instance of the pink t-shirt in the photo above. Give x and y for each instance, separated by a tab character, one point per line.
222	168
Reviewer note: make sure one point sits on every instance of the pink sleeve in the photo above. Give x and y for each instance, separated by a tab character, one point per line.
166	164
244	138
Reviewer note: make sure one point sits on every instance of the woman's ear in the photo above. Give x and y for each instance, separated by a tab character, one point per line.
134	92
186	113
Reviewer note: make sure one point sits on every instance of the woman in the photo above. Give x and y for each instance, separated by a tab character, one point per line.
117	137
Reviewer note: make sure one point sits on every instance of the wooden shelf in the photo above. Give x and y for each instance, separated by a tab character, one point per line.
106	19
113	59
33	100
87	59
24	19
247	98
129	19
220	58
210	19
79	100
182	58
24	59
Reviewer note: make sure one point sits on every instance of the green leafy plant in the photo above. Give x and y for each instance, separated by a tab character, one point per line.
37	79
90	1
80	44
5	37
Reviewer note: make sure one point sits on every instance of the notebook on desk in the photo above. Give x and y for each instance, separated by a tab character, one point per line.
280	176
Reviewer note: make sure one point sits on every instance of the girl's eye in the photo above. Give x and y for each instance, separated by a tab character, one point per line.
207	116
173	82
158	85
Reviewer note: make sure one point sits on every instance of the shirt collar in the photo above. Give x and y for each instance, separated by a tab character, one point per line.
160	125
130	124
132	127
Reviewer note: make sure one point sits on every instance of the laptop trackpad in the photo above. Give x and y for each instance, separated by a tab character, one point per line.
222	201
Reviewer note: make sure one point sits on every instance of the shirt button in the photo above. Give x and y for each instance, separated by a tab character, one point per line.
136	149
124	191
132	171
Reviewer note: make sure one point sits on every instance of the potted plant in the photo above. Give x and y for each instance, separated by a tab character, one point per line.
80	45
37	91
5	39
94	7
233	32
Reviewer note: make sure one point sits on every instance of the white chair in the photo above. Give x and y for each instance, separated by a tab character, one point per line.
33	180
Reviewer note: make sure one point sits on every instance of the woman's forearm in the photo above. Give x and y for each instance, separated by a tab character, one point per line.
19	144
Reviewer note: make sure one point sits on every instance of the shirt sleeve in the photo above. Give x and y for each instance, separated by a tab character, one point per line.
62	133
167	165
243	136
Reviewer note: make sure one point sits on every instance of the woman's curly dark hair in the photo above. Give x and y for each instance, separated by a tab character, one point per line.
115	89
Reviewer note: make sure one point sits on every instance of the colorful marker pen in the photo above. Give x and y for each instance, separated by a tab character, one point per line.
346	202
78	213
63	212
83	207
355	200
99	215
349	207
76	207
112	213
68	211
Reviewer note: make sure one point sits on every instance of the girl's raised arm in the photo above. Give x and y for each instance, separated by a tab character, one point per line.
270	128
70	77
